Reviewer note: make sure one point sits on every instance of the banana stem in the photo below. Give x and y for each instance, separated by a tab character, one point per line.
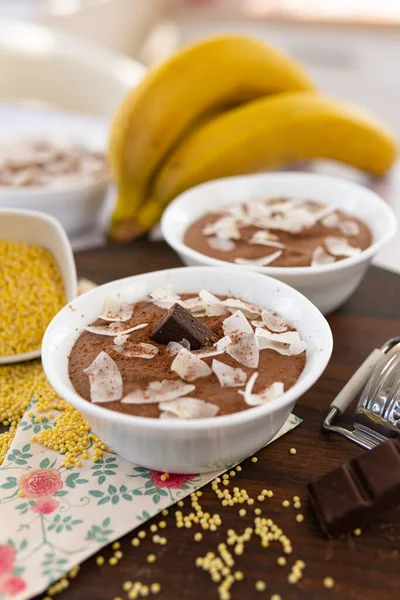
149	215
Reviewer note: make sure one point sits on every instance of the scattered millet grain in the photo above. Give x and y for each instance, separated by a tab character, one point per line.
260	586
18	384
292	450
32	292
329	582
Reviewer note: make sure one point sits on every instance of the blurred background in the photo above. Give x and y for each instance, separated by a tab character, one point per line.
350	47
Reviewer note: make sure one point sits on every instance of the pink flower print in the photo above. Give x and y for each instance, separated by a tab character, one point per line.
45	505
7	559
9	585
173	481
40	482
13	586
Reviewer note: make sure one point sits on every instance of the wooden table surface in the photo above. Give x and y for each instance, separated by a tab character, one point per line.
364	568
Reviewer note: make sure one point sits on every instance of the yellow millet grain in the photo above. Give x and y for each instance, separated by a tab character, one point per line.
260	586
32	292
329	582
71	436
18	383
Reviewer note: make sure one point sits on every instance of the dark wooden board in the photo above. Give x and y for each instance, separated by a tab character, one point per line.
364	568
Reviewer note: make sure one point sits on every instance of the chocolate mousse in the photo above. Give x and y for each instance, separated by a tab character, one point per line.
280	232
233	356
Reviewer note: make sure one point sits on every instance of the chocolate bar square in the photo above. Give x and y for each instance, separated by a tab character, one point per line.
179	323
357	492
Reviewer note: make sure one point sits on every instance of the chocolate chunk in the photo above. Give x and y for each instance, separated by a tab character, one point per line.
358	492
179	323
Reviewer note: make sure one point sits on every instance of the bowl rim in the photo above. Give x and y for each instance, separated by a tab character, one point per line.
169	232
71	267
32	192
248	415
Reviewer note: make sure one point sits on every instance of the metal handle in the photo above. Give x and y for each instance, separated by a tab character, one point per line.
357	381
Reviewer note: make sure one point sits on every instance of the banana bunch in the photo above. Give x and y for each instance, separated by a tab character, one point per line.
227	106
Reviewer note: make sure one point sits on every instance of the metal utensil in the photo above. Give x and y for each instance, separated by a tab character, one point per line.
377	416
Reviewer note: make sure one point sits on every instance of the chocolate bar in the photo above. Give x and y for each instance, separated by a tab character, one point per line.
179	323
356	493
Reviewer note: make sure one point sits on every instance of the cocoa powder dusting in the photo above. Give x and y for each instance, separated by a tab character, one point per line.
139	372
299	246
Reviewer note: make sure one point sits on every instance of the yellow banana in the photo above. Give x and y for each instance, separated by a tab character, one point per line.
268	133
192	85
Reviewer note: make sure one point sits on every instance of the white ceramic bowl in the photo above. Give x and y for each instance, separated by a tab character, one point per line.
38	229
327	286
205	444
76	204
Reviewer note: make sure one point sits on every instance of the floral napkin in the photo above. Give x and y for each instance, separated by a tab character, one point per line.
53	518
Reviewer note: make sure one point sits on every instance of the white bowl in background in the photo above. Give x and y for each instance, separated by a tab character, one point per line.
40	230
77	204
327	286
200	445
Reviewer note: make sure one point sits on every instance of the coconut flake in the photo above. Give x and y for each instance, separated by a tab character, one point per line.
321	257
221	245
120	339
265	238
193	305
273	321
159	391
331	221
261	262
236	324
141	350
211	304
245	350
288	344
188	366
267	395
249	310
189	408
105	379
349	228
228	376
174	347
243	347
218	348
114	329
165	297
224	228
340	247
168	415
115	310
